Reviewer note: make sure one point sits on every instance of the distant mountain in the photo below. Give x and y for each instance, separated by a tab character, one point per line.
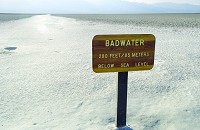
121	7
102	7
177	8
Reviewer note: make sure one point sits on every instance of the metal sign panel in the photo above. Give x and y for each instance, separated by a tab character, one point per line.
123	53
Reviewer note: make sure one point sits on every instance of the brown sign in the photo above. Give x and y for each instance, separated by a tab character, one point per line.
123	53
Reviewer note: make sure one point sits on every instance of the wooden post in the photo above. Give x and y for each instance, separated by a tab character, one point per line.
122	99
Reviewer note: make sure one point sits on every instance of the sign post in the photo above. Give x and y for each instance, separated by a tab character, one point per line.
122	99
122	53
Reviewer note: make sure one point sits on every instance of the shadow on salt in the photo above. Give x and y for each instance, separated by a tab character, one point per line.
7	50
10	48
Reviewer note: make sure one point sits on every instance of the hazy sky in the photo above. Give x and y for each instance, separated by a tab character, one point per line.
195	2
76	6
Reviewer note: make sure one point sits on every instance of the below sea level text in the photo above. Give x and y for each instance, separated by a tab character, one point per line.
122	65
